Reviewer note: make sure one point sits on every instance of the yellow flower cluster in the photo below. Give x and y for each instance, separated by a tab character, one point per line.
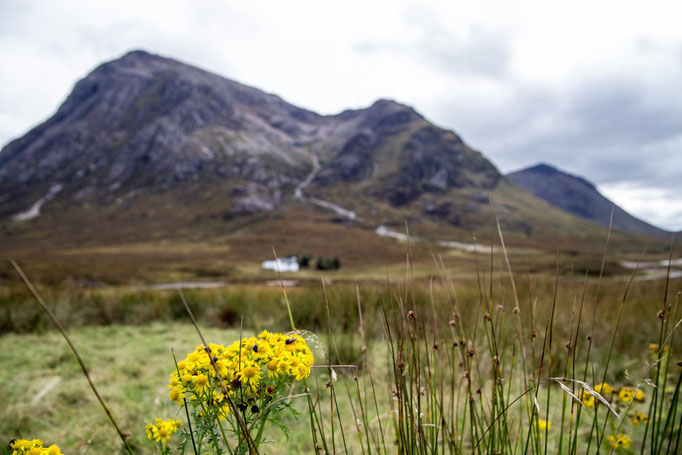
627	394
620	440
245	363
162	430
604	389
638	417
34	447
587	399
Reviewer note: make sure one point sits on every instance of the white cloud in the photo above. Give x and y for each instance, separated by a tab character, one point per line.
660	206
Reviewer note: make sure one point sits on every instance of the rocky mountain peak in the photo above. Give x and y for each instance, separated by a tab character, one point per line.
547	170
144	122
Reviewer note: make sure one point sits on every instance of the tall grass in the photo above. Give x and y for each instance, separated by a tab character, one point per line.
504	365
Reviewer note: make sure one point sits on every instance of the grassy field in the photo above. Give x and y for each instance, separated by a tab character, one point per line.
445	352
125	338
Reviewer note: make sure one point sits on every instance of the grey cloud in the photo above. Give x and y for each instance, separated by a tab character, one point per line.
614	112
480	53
607	130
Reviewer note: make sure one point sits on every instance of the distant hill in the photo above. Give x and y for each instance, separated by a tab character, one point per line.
579	197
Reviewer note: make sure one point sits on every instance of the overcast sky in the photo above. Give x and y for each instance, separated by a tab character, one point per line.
593	87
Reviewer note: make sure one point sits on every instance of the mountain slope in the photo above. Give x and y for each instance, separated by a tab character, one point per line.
146	123
579	197
149	149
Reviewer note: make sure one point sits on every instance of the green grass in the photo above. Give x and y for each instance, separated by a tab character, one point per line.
429	380
130	365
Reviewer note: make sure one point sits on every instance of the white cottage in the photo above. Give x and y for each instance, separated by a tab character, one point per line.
289	264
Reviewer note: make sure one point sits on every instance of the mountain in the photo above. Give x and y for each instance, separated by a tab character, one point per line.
579	197
147	123
147	151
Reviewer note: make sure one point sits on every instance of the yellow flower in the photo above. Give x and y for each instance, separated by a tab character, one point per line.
627	394
639	395
174	382
162	430
22	446
149	429
272	368
619	440
587	399
200	382
294	363
250	375
543	425
194	356
603	389
176	395
637	417
33	447
162	434
175	424
307	358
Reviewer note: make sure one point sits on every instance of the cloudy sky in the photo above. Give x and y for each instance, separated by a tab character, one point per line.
593	87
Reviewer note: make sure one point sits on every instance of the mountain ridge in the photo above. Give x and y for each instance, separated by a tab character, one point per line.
578	196
146	111
160	145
